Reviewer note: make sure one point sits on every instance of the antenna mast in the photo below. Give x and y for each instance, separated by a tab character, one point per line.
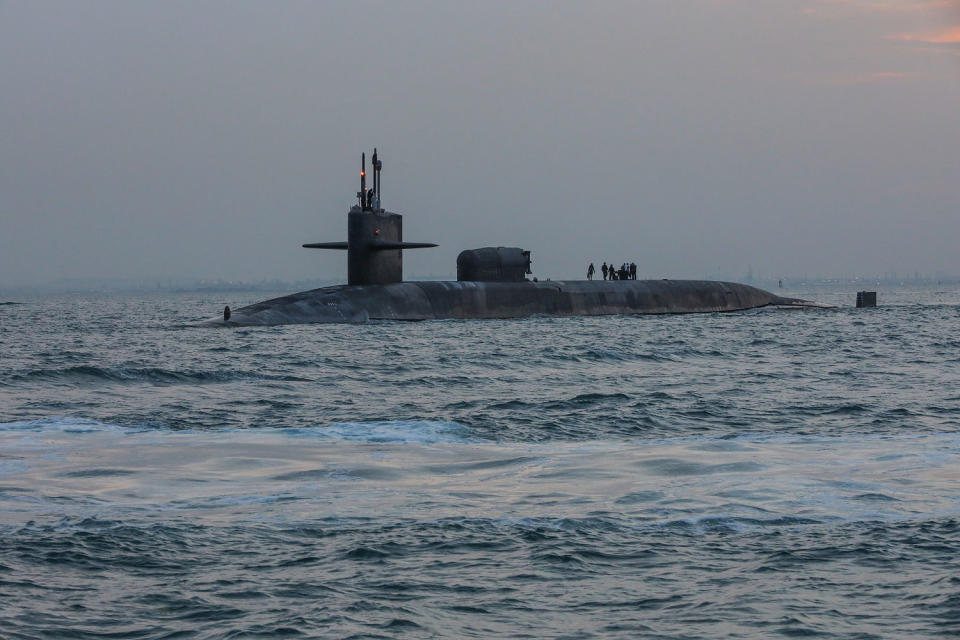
362	194
377	166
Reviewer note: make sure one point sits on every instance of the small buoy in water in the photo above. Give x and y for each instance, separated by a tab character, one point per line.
226	313
866	299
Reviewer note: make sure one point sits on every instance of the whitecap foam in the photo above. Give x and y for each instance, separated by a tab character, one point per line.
389	431
64	424
385	431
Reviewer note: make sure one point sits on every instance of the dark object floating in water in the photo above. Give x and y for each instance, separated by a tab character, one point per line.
5	304
226	313
866	299
491	283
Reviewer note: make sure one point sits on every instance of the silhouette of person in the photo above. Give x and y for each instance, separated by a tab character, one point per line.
603	270
633	270
590	271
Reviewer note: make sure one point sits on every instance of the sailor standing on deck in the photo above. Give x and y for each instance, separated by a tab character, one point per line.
590	271
603	270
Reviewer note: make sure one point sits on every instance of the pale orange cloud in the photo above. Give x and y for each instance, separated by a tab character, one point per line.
904	6
921	22
852	79
948	36
881	6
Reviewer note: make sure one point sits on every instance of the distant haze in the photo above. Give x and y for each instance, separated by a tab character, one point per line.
697	138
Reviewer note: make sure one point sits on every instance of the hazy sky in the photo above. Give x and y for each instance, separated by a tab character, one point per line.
696	137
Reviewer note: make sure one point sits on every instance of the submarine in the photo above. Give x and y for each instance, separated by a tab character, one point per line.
492	282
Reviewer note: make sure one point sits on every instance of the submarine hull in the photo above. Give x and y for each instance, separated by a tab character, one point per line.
478	300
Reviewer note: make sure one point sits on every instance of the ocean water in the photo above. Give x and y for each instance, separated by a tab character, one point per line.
772	473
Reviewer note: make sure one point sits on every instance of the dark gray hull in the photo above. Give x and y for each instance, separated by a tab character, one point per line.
465	300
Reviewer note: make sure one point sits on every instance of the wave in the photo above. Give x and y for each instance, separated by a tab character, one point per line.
154	375
440	431
127	537
580	401
692	486
597	354
66	425
386	431
392	431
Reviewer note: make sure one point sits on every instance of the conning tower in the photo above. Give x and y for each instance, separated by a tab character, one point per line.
374	243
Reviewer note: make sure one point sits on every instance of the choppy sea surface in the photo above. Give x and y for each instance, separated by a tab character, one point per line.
763	474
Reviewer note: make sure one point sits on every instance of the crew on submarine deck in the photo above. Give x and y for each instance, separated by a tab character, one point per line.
627	271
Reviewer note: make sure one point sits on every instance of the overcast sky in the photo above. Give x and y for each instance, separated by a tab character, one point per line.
695	137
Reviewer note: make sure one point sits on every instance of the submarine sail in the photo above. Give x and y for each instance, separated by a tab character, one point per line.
374	243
